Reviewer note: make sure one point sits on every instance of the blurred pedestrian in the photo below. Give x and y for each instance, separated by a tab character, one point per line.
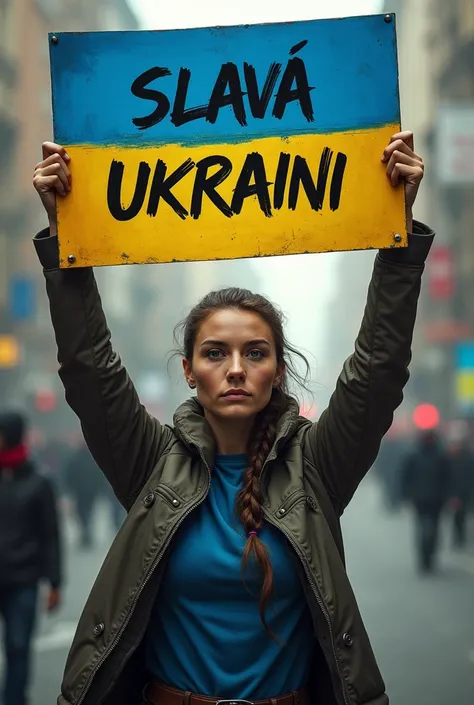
461	463
227	578
426	482
29	552
84	484
52	455
388	467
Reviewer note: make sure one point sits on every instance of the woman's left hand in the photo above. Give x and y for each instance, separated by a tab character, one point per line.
403	163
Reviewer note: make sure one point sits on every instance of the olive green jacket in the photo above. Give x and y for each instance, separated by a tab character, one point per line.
162	473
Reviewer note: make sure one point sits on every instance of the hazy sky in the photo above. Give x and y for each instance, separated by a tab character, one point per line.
192	13
300	284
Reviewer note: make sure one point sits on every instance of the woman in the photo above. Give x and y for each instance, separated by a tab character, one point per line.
227	579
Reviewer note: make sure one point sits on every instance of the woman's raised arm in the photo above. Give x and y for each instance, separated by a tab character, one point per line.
124	439
344	443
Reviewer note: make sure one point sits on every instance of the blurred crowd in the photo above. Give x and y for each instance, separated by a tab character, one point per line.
431	471
80	486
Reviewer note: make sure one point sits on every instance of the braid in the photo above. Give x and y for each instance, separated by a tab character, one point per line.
249	497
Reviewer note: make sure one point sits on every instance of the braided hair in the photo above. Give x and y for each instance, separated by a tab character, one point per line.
249	497
249	500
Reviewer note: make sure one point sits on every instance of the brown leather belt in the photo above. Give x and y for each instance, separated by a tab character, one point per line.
156	693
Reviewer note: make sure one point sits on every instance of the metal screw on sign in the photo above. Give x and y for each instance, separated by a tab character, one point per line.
397	237
388	18
54	39
71	259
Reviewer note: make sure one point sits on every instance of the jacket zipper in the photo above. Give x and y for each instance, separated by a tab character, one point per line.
318	597
272	455
118	636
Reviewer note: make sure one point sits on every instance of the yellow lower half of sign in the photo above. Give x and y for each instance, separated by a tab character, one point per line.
272	196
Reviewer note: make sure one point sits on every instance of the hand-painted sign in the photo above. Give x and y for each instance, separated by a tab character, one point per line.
227	142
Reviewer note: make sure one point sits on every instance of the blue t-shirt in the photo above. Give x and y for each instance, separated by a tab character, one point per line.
205	634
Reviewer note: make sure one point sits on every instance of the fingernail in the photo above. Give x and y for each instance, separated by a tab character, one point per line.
67	157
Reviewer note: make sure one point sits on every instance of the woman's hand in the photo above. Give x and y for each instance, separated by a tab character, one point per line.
51	177
403	163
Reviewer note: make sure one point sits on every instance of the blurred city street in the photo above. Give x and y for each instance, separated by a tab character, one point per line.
421	628
420	621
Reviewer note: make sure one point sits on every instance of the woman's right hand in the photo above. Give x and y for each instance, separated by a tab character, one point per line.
51	177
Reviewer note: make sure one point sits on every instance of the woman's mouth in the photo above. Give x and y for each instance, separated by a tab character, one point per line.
236	394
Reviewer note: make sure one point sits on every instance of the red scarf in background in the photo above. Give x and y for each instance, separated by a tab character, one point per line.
13	457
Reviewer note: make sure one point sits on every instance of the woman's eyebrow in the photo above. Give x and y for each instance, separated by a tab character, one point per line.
214	342
222	343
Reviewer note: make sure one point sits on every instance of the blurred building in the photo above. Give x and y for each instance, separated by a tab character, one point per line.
345	309
27	354
436	64
436	55
10	212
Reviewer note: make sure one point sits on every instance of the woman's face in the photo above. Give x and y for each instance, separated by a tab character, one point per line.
234	366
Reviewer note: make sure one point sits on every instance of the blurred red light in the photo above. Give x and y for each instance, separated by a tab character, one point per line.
45	401
309	411
426	417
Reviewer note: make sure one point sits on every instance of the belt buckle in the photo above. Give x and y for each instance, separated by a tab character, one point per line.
235	701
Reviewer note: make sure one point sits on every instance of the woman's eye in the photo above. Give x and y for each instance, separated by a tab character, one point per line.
214	354
255	354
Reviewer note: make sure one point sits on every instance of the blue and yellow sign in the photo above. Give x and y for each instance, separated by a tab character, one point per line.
227	142
464	376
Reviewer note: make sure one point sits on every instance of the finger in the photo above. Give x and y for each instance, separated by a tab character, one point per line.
414	174
49	183
402	158
54	159
55	168
400	146
406	136
395	176
53	148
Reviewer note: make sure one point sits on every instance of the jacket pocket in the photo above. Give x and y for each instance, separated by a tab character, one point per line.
171	497
294	499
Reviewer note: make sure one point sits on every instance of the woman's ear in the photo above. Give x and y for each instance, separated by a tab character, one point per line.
188	374
279	375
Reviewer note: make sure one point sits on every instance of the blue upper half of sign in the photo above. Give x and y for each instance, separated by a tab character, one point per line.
106	85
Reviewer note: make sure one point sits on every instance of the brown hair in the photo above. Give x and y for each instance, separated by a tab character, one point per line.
264	433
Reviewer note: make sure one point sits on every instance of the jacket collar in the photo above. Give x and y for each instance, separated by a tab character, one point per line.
195	432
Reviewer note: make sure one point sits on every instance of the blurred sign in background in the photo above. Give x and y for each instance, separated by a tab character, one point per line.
455	143
465	376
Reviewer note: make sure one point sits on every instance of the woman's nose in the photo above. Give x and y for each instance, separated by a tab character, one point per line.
236	367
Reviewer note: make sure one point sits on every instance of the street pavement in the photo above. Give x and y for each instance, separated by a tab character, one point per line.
422	629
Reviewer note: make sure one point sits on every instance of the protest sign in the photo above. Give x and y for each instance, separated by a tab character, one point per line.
227	142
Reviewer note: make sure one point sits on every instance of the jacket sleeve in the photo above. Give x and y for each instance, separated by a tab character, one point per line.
50	535
124	439
344	443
